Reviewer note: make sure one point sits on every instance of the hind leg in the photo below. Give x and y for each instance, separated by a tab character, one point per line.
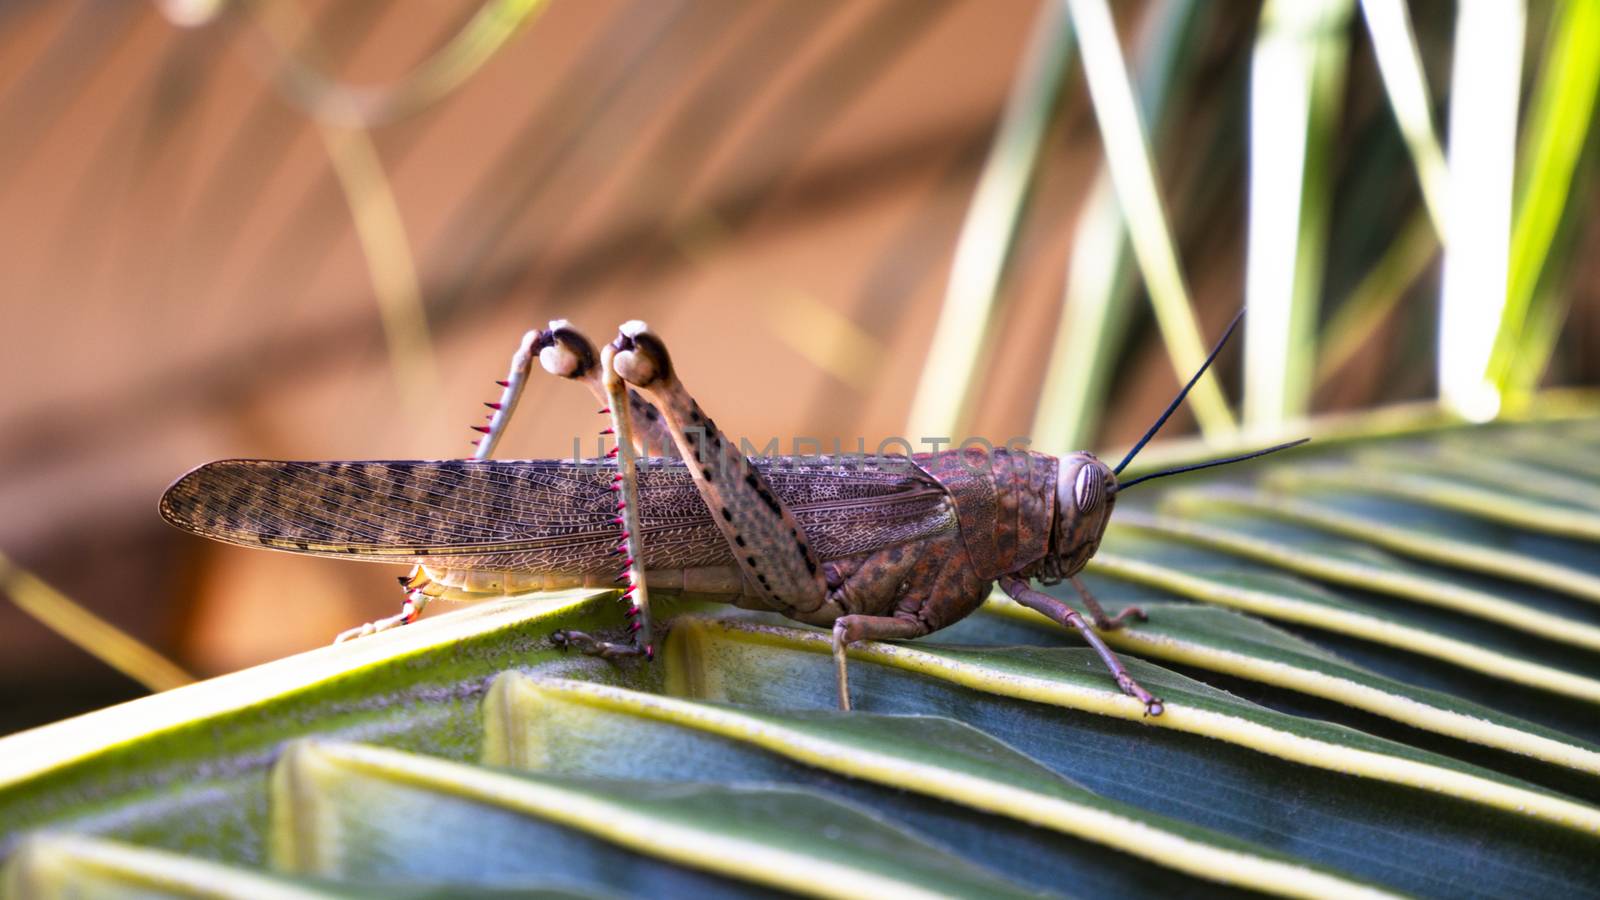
414	583
410	610
768	544
511	389
625	484
774	556
565	352
561	350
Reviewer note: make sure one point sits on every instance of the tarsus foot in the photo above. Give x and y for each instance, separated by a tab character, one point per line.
589	645
1120	619
1152	704
409	612
371	628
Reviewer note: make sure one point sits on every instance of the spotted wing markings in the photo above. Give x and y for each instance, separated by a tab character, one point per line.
536	515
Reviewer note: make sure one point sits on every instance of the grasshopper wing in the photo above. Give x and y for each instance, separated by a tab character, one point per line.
532	515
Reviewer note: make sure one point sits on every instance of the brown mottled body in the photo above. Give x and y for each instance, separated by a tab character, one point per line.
876	549
1005	505
544	516
495	526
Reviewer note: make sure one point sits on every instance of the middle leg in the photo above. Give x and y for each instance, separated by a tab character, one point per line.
1098	612
849	629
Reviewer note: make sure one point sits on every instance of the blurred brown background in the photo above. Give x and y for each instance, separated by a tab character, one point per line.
775	186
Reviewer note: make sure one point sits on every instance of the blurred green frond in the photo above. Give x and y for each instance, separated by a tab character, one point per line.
1360	316
335	103
1562	110
1097	302
390	266
950	375
1485	89
1394	42
106	642
1132	171
1296	92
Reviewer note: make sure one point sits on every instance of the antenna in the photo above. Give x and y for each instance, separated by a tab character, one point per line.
1181	394
1206	465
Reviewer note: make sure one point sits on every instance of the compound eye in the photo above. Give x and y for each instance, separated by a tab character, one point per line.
1088	490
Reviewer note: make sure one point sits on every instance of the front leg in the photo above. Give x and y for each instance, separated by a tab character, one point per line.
771	549
1065	615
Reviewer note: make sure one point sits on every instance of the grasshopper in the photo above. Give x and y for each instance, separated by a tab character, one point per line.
888	548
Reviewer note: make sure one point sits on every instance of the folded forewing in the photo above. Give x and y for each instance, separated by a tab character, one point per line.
535	515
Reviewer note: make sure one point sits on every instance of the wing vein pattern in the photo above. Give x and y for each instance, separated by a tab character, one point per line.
537	515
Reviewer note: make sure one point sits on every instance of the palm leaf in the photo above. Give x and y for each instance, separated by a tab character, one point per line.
1297	83
1380	677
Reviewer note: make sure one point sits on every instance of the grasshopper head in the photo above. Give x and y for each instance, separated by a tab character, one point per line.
1086	491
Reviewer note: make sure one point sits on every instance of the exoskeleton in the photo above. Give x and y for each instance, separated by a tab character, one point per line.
873	548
